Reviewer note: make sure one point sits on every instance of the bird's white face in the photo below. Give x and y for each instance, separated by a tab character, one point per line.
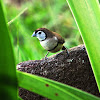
40	35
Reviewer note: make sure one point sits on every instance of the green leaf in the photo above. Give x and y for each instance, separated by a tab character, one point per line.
19	98
51	89
87	17
8	81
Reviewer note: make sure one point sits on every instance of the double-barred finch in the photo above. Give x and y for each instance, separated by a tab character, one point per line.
51	41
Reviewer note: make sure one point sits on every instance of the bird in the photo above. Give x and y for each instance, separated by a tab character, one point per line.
49	40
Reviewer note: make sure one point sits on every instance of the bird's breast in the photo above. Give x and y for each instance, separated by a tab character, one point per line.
49	44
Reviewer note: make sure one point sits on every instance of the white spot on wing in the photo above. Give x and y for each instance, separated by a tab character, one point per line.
55	38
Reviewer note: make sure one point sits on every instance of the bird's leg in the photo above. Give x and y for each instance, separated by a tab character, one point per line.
46	55
64	48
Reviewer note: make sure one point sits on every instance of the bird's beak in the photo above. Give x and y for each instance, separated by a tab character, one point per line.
33	35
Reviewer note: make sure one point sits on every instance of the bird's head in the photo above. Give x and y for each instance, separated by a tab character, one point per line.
42	34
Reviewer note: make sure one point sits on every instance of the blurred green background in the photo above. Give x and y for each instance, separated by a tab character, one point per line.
52	14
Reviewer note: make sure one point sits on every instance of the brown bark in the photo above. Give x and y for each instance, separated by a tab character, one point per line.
74	70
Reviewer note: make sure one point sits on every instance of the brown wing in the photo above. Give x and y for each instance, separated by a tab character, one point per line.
59	37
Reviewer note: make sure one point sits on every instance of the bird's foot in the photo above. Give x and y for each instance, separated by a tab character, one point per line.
66	50
45	58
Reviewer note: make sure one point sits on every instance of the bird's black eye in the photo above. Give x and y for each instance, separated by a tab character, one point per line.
39	33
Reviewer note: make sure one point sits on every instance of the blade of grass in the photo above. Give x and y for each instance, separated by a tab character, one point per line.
17	16
51	89
19	98
8	80
83	95
87	17
37	85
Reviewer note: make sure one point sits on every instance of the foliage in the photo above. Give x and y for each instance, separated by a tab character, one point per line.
87	16
51	89
8	80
